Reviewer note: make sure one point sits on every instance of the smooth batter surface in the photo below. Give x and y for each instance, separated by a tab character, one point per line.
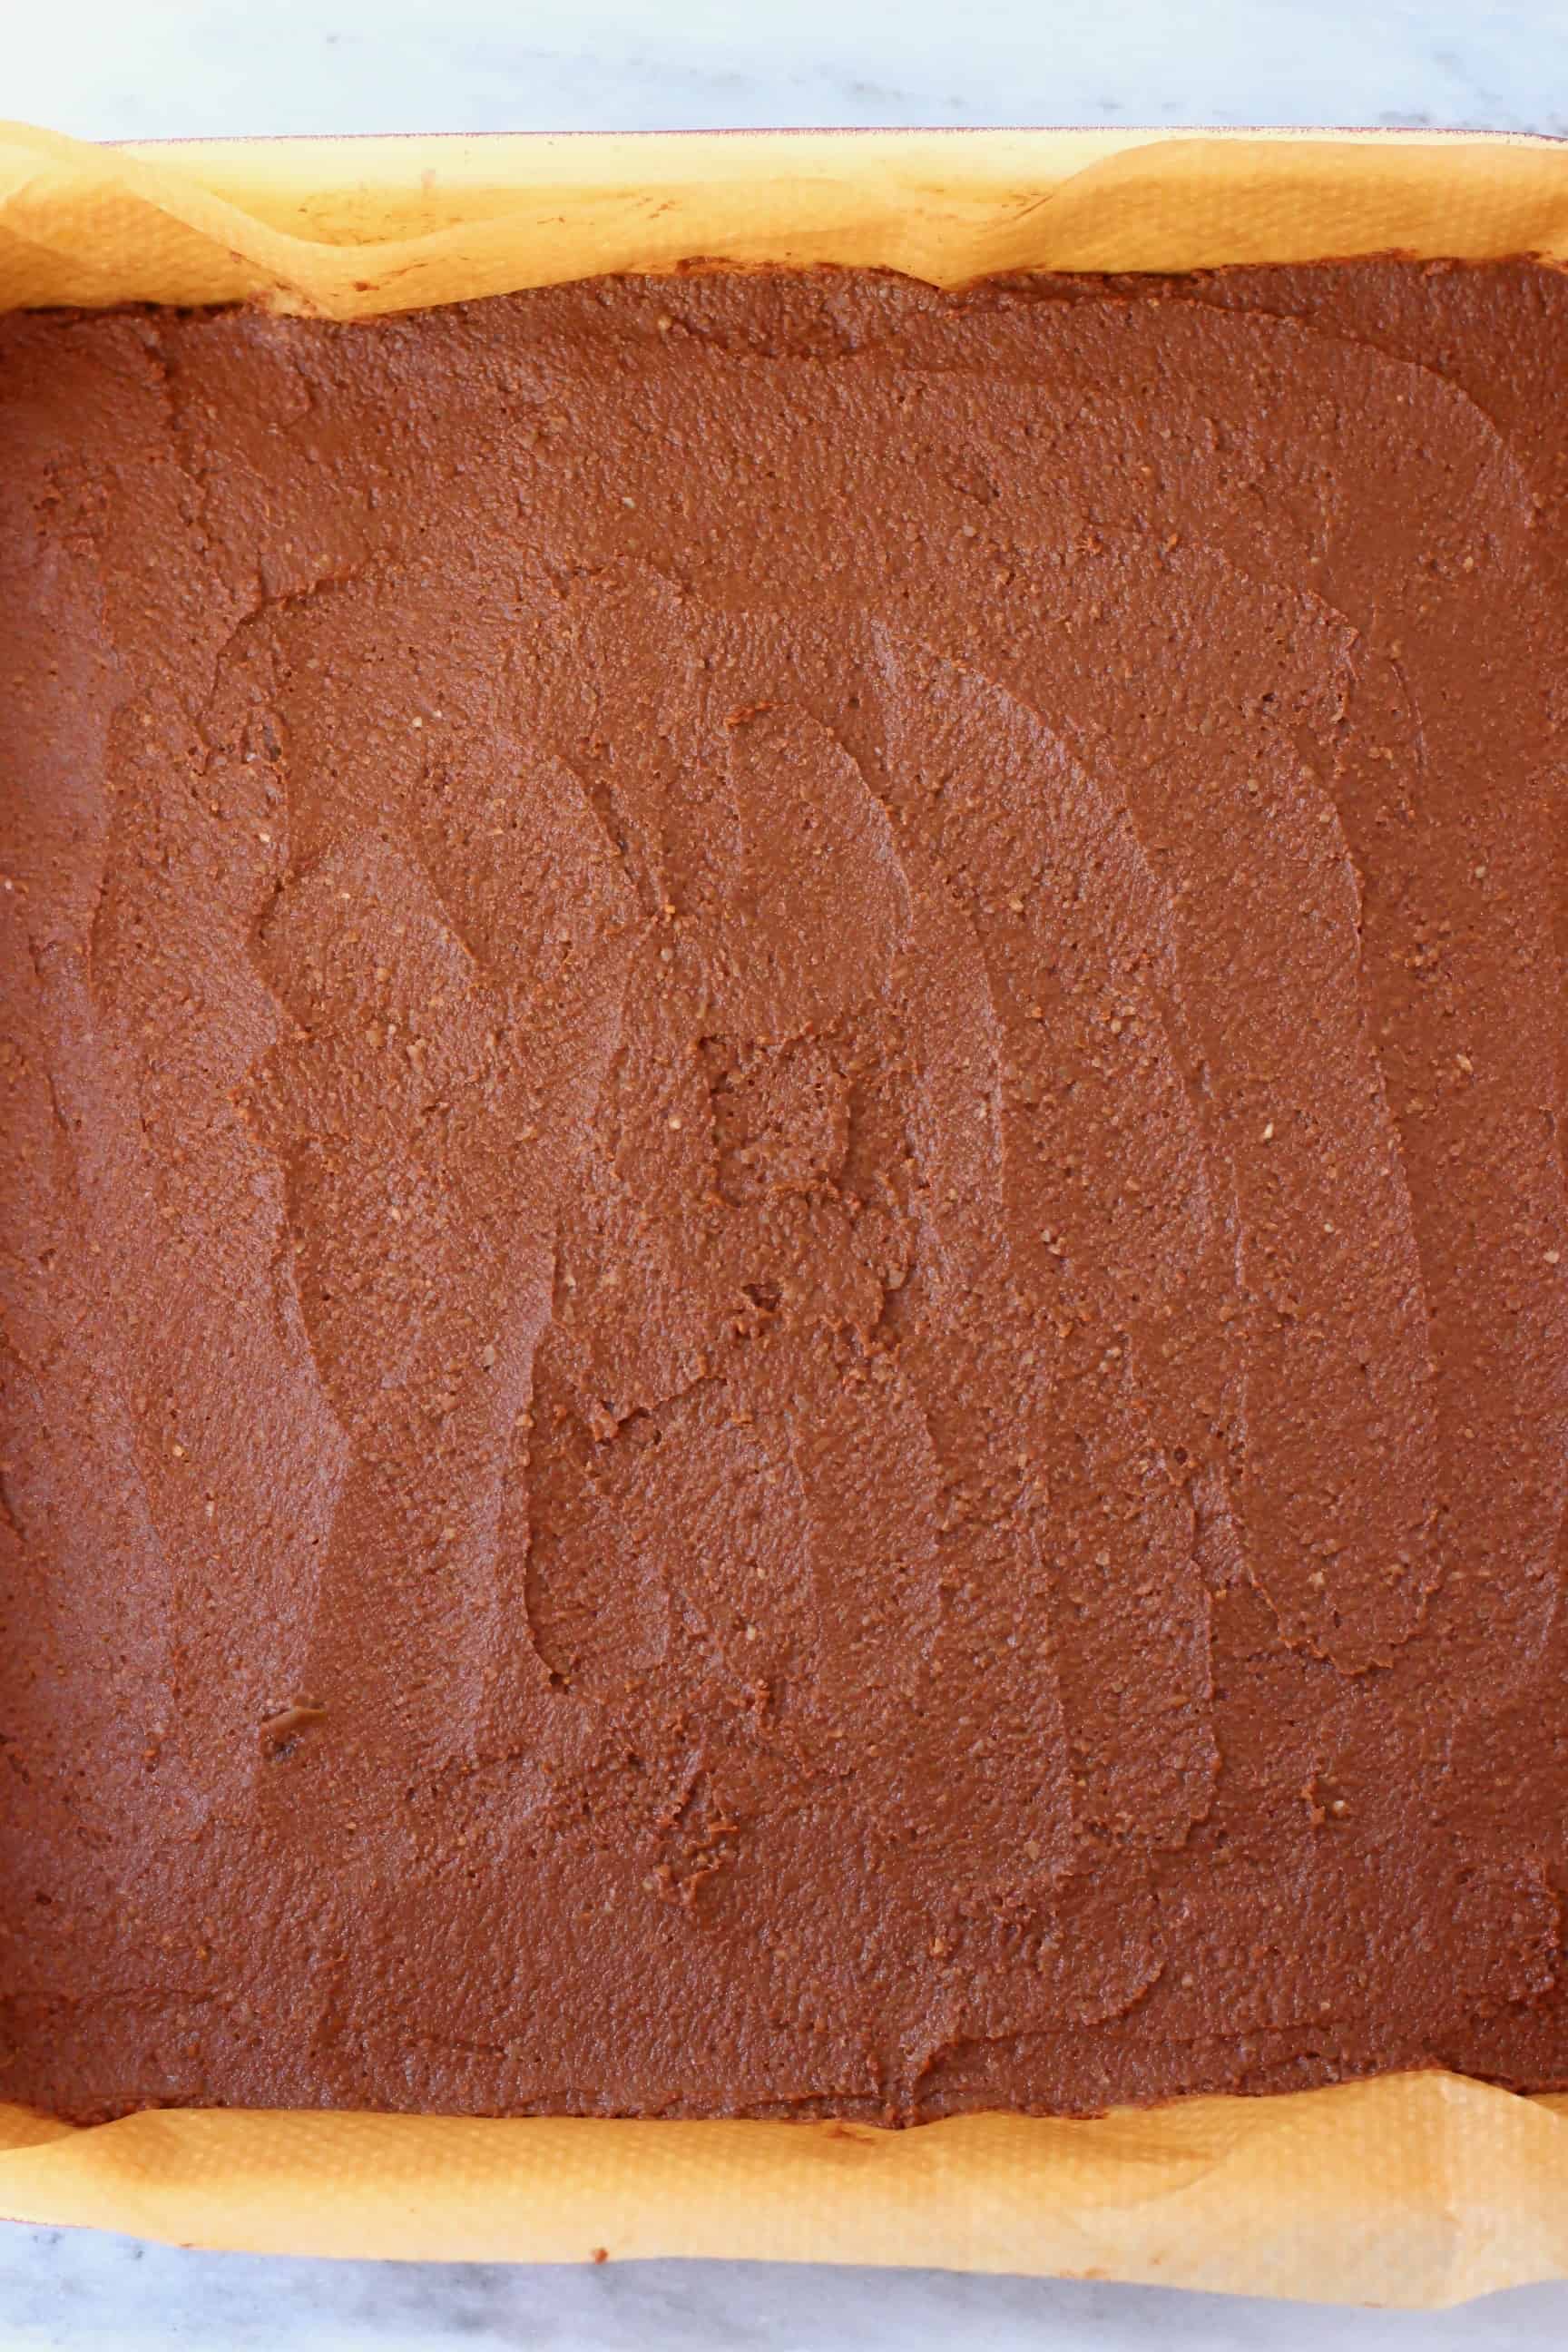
786	1275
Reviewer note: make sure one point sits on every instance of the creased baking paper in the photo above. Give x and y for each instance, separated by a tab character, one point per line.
1418	2190
348	229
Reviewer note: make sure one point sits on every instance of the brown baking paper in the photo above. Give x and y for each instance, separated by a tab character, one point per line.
352	227
1420	2190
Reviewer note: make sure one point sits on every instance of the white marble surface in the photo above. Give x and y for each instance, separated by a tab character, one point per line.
160	68
65	2291
109	69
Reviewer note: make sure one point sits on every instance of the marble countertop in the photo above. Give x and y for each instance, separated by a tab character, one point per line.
169	68
68	2292
107	68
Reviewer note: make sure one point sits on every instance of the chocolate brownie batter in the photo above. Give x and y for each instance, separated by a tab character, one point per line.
786	1275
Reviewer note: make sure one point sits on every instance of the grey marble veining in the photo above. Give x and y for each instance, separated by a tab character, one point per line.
64	2291
107	68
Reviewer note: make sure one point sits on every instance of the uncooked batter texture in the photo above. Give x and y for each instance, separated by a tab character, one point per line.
785	1280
